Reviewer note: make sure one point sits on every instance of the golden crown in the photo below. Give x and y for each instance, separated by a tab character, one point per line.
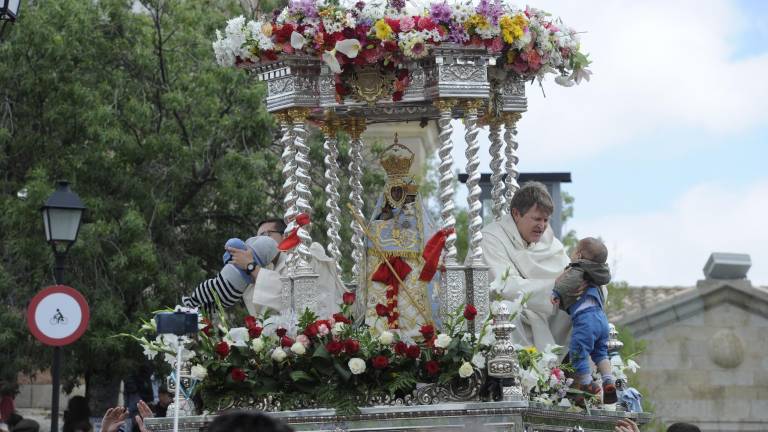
397	159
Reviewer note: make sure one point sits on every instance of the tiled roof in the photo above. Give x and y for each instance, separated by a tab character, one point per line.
640	298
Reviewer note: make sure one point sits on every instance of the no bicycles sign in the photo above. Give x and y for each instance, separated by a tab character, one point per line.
58	315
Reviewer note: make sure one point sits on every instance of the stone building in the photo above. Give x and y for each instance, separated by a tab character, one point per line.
706	361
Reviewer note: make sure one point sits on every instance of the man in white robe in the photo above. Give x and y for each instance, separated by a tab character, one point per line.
522	247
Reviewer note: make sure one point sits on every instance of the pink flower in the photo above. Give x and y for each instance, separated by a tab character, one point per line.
322	330
557	373
303	339
496	45
406	24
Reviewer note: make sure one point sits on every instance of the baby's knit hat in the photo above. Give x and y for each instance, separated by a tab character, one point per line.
264	250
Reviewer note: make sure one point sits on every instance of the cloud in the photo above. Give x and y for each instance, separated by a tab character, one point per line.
670	246
658	66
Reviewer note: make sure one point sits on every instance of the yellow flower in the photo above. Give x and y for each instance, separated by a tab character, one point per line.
383	30
476	22
512	28
531	350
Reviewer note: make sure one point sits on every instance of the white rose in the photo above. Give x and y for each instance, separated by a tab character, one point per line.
279	355
199	372
443	340
239	336
257	344
386	338
466	370
357	365
338	328
478	360
298	348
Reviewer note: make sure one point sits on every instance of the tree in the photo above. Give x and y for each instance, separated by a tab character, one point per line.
171	153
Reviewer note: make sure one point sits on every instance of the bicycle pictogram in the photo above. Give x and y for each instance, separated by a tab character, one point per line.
58	318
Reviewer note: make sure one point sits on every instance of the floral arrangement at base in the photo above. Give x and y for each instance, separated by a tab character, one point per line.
332	362
348	34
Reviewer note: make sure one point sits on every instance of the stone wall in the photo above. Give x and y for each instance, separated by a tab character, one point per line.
710	369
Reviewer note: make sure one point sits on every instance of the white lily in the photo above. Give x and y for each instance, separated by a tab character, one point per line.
349	47
329	57
298	40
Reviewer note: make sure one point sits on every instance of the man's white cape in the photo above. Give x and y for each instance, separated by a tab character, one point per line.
532	269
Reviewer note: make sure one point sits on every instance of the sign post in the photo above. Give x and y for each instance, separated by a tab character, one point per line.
57	316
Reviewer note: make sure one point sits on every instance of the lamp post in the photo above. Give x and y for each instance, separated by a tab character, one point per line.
62	213
9	11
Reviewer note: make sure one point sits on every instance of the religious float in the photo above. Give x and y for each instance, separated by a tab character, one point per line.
413	346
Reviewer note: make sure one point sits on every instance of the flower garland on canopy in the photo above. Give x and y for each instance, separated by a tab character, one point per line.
348	34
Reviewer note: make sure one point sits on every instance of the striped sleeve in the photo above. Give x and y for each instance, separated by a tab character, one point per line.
203	294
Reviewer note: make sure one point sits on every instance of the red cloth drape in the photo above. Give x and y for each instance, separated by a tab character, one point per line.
431	254
293	240
385	275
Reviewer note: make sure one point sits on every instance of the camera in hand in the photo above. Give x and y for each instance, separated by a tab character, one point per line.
178	323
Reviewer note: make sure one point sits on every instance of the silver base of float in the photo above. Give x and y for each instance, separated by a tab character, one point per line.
515	416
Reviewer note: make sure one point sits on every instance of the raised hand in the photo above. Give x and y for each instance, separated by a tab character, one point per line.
626	425
113	419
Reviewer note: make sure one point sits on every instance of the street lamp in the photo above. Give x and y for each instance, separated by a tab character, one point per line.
9	10
62	213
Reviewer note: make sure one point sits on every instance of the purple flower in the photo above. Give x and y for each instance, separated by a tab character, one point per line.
304	7
491	11
360	5
457	34
440	12
397	5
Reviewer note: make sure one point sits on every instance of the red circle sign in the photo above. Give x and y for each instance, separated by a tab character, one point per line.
58	315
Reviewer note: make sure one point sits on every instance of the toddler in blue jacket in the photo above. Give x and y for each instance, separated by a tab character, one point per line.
588	271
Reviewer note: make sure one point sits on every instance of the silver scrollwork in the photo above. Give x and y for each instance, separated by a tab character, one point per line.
475	252
447	178
303	193
356	127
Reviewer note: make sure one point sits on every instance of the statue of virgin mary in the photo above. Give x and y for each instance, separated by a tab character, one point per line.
397	298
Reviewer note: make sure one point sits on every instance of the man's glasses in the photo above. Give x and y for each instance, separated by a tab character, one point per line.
268	233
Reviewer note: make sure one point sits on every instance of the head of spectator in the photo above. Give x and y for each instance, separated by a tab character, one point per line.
245	421
26	425
683	427
76	414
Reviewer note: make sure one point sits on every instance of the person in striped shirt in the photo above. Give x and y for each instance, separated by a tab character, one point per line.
230	284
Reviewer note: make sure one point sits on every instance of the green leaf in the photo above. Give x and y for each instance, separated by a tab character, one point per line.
300	376
343	372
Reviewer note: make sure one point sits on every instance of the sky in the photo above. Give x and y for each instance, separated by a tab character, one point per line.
667	143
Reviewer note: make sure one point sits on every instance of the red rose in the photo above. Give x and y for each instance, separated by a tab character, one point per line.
397	96
334	347
427	331
222	349
381	310
250	321
380	362
238	375
270	55
255	331
426	23
394	24
208	326
339	317
401	348
311	330
470	312
348	297
432	367
286	342
390	46
351	346
281	331
283	33
414	351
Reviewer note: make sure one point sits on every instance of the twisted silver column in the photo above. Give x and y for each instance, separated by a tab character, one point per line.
510	151
497	180
331	147
445	106
289	168
303	193
475	251
355	127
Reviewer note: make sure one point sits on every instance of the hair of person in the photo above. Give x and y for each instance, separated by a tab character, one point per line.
529	195
280	223
683	427
245	421
593	249
163	389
